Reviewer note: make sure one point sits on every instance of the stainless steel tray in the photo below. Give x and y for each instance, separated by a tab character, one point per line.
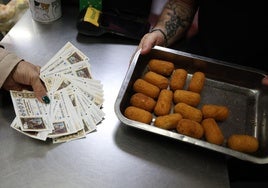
237	87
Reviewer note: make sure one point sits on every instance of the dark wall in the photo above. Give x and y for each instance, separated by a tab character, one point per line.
139	8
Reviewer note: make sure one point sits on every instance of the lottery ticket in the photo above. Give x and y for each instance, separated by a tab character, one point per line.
32	115
76	100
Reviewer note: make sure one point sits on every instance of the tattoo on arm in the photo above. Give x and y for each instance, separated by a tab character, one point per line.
180	15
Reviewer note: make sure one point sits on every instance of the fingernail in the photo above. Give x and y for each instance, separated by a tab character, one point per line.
46	99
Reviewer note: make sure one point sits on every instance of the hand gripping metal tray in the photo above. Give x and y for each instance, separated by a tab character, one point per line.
237	87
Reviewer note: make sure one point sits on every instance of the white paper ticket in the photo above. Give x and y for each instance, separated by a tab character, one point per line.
76	99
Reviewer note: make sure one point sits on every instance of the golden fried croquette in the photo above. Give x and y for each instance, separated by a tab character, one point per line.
161	67
168	122
213	133
142	101
197	82
188	112
178	79
188	97
156	79
142	86
243	143
163	103
218	112
190	128
138	114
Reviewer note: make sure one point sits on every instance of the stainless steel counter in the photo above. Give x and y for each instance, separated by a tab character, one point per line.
113	156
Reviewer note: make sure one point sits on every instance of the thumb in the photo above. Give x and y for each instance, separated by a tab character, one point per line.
40	91
265	81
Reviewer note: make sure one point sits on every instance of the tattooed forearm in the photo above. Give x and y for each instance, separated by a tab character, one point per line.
180	17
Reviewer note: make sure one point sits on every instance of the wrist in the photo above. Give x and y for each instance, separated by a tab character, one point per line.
163	33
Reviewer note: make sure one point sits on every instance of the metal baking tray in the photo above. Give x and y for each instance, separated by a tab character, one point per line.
237	87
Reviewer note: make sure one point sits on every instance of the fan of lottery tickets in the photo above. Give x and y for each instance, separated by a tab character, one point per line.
76	100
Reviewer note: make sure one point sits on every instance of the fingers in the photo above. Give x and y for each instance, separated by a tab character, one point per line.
149	41
10	84
26	73
265	81
39	88
40	91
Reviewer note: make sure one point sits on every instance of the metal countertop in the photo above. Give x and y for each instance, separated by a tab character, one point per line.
113	156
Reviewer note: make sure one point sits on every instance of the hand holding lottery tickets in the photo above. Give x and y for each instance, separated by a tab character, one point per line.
164	99
75	100
26	76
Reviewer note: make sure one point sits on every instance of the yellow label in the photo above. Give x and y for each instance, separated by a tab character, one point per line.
92	16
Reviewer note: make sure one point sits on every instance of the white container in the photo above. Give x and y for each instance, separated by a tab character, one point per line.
45	11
